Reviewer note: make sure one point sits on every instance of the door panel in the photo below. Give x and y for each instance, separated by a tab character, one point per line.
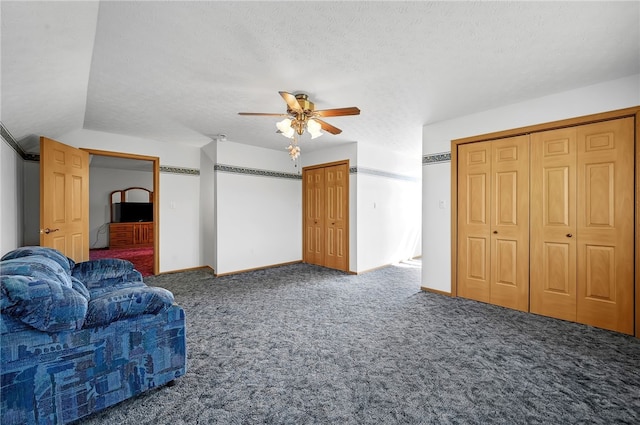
64	199
474	172
509	275
314	216
605	251
553	219
336	199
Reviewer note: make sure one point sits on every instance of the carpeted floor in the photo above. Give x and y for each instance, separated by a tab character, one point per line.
305	345
142	258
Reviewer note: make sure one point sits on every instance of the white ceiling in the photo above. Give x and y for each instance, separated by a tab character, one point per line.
180	72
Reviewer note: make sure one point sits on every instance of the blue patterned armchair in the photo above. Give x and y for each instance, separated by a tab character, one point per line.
77	338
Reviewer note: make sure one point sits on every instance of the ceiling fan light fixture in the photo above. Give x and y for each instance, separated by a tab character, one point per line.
285	128
313	127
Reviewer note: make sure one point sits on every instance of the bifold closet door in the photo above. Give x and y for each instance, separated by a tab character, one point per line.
553	223
336	207
605	251
493	222
474	200
314	216
582	224
326	216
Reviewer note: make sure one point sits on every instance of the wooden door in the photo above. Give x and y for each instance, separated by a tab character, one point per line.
474	200
336	214
313	182
605	225
509	212
64	199
553	223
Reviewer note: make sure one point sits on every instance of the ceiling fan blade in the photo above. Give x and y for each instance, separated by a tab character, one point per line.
328	127
291	100
337	112
263	114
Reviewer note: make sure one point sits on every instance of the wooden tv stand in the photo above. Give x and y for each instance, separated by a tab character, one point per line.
131	235
135	234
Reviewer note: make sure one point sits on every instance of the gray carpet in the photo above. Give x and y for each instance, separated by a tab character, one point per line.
305	345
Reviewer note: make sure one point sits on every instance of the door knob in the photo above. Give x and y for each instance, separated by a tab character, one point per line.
47	231
569	235
495	232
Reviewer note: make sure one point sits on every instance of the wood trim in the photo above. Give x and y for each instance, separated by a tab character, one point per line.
454	219
156	215
156	195
435	291
637	237
257	268
326	164
570	122
586	119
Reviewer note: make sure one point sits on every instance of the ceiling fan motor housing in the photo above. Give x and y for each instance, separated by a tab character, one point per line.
306	105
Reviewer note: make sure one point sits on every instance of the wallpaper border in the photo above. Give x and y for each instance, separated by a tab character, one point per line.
436	158
11	141
179	170
223	168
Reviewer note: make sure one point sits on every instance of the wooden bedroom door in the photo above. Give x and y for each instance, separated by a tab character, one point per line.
64	199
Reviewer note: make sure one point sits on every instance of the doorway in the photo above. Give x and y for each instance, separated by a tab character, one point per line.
116	171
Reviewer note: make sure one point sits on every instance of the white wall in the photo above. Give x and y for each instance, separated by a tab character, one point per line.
389	209
208	157
258	217
11	189
436	183
102	181
179	194
31	203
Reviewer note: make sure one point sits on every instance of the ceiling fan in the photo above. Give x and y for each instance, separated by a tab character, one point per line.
301	114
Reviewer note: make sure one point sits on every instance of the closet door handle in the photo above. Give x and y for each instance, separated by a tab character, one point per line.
569	235
495	232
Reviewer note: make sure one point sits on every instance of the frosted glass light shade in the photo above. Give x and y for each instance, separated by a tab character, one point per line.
313	127
285	127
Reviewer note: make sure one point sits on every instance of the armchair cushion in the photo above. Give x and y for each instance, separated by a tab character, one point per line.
126	302
42	303
107	274
28	251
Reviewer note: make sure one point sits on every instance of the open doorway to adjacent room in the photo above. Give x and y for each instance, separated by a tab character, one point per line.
123	208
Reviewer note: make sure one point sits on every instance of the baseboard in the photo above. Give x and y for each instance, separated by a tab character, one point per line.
435	291
258	268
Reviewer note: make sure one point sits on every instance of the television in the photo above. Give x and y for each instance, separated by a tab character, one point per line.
127	212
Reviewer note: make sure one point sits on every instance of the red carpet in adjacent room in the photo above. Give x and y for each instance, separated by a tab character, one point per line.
142	258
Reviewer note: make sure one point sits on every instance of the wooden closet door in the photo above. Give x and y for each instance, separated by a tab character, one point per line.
336	207
474	200
509	276
553	224
314	216
605	250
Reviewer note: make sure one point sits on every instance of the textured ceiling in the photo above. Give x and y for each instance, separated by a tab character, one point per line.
181	71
